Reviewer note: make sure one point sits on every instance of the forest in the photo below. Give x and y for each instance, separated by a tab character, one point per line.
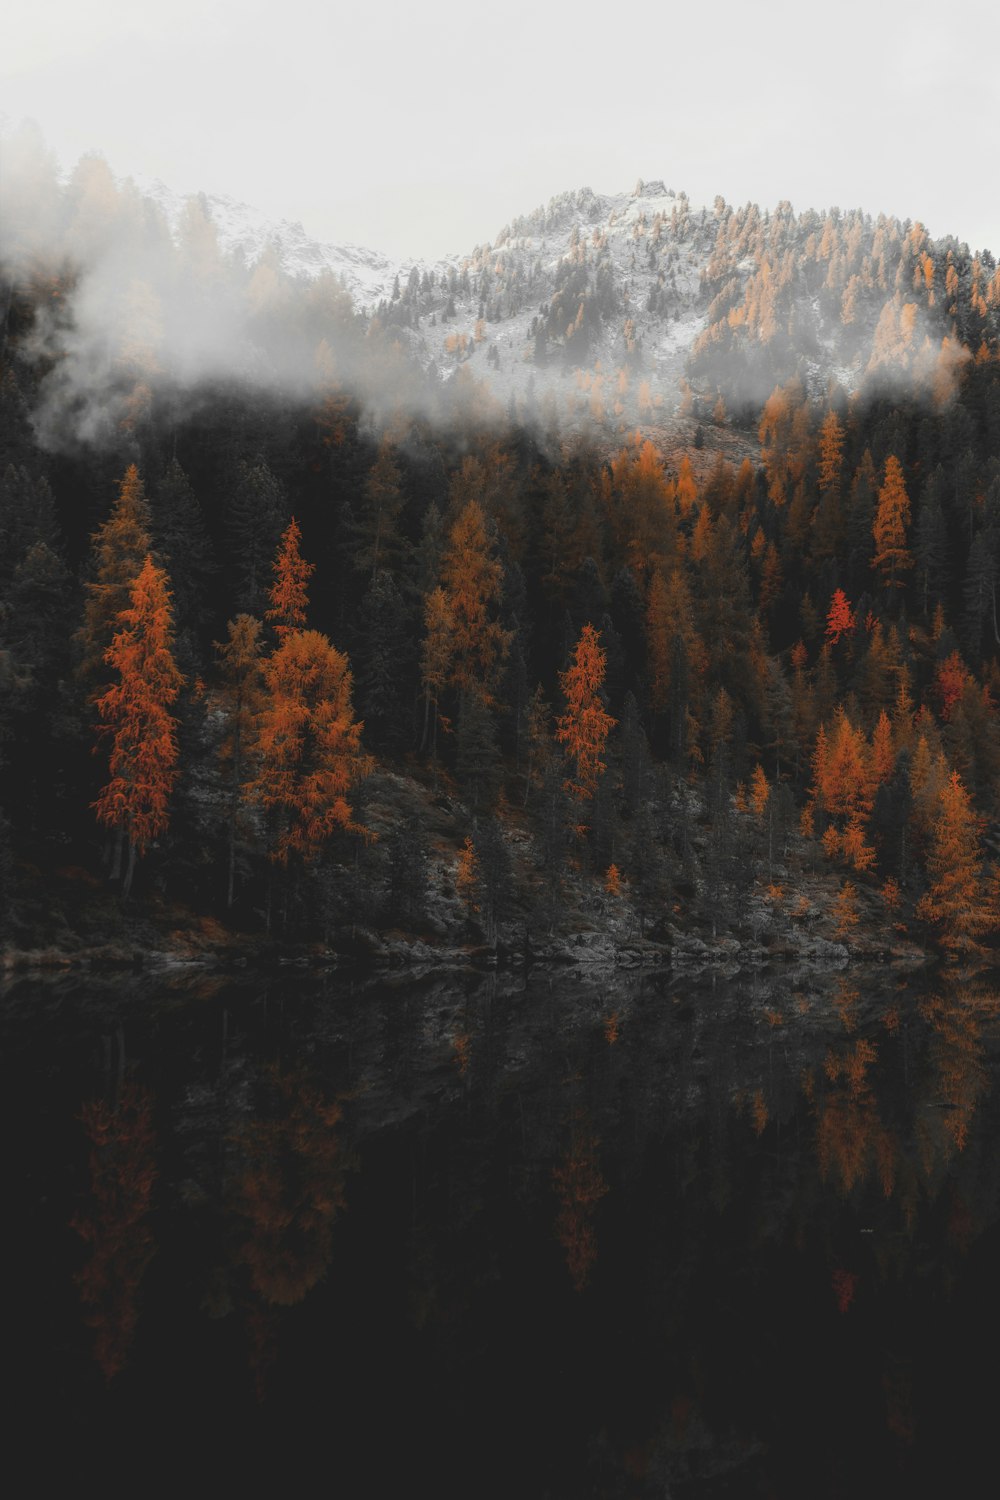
371	665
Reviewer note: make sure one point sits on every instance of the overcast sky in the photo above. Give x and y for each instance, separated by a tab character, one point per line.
421	128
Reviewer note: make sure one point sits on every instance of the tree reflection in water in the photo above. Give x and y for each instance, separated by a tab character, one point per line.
797	1221
579	1188
115	1222
289	1187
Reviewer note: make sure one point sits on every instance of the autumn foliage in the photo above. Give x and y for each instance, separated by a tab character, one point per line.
289	597
119	549
584	728
114	1223
308	746
471	578
840	620
135	712
892	520
579	1185
956	902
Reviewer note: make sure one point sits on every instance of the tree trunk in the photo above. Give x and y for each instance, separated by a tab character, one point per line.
234	803
232	868
6	318
116	859
130	871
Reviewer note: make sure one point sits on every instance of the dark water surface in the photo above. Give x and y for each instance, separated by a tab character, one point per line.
499	1236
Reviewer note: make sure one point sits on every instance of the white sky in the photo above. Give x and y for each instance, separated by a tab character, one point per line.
420	128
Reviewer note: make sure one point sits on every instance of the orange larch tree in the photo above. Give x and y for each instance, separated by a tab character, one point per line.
136	713
288	595
846	786
472	576
771	578
845	910
639	501
831	452
892	518
435	661
760	791
956	902
118	549
308	746
840	619
883	758
949	684
687	487
672	635
242	699
843	785
584	728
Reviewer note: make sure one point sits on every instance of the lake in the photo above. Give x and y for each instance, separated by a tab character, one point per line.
555	1235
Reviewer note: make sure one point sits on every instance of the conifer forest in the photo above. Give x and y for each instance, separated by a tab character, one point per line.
301	662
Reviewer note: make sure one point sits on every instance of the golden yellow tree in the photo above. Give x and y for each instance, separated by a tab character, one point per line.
435	660
760	791
845	910
892	518
118	548
136	712
831	452
288	596
472	576
308	746
641	509
956	903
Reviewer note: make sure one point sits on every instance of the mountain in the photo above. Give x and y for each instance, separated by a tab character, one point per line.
599	312
644	307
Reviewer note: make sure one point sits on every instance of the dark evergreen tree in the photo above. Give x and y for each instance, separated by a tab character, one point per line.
384	665
27	516
378	546
931	544
477	758
590	599
628	614
257	515
494	878
181	539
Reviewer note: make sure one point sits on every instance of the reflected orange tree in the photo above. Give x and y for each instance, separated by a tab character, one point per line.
288	1188
579	1186
115	1222
851	1137
957	1016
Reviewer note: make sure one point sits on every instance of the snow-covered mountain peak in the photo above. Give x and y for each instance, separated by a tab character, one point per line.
250	233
